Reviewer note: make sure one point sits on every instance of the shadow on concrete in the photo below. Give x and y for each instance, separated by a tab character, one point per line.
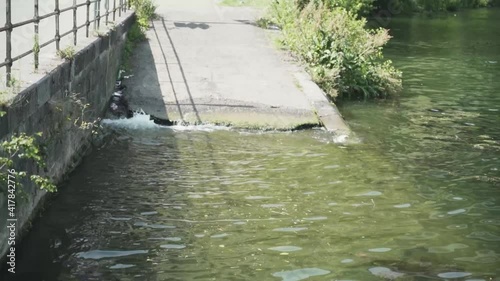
192	25
208	23
215	105
144	90
172	45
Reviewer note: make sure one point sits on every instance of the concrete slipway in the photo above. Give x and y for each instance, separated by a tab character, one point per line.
207	63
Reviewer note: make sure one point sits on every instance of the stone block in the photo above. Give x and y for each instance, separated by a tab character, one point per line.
4	122
43	91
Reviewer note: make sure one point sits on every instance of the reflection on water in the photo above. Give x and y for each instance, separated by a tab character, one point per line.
416	200
169	205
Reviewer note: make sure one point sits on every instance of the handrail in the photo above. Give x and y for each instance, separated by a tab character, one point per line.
9	27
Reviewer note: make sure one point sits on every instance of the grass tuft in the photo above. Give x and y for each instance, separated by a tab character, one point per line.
67	53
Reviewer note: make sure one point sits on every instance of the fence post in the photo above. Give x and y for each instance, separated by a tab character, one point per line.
95	14
75	30
106	4
114	9
58	38
88	17
8	53
36	49
120	8
98	13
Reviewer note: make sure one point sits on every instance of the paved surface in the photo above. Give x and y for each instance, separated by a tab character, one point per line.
206	63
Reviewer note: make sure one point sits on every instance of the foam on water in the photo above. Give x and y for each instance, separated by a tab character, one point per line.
142	121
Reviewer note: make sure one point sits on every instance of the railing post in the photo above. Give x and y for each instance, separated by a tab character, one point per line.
36	49
75	29
114	10
88	17
8	32
106	4
120	8
58	12
95	14
98	13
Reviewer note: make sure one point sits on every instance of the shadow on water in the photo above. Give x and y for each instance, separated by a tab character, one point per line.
84	224
101	225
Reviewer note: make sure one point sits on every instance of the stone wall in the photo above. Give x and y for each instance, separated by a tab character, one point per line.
47	106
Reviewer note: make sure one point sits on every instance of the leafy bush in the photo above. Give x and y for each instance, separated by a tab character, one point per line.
145	11
344	58
355	6
20	147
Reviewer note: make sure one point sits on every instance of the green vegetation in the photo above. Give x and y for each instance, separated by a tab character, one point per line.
67	53
409	6
22	147
343	57
355	6
364	7
145	12
13	87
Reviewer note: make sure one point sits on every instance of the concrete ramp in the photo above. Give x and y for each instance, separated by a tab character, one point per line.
205	63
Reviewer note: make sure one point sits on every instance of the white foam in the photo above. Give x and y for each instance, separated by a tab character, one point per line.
340	139
139	121
142	121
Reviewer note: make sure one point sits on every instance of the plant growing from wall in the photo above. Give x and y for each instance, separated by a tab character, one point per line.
24	147
67	53
145	12
13	87
80	112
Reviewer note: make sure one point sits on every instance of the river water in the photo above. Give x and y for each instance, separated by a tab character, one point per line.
417	199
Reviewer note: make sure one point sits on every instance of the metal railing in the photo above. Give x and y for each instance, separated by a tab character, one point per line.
119	7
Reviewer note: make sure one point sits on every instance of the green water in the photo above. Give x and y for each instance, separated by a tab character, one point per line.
417	199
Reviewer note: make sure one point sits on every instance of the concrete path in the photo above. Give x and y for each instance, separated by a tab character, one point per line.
206	63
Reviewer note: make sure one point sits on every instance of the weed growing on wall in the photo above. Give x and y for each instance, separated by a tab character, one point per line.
145	12
67	53
22	147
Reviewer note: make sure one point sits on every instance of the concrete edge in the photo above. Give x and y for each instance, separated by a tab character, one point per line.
327	112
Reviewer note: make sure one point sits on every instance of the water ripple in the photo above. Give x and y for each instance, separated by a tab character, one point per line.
300	274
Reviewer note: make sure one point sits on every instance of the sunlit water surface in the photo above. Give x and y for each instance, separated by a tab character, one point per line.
416	200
